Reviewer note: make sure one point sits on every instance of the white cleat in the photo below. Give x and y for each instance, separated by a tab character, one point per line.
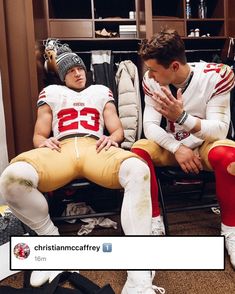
158	228
229	233
140	282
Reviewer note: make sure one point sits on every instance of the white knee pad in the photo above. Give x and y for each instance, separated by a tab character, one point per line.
135	170
16	178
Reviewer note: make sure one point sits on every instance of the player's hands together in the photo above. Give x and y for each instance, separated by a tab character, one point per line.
169	106
105	142
189	161
51	143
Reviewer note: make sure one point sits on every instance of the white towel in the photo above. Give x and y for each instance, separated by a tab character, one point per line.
82	208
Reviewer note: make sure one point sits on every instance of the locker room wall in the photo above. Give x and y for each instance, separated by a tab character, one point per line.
19	72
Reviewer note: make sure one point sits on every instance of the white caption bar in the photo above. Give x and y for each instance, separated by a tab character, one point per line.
127	252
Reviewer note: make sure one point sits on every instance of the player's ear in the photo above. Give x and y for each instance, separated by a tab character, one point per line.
175	66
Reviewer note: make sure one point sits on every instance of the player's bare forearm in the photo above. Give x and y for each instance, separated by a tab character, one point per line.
38	140
43	129
118	135
113	125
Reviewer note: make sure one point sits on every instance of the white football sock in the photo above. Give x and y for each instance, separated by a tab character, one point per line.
134	176
18	185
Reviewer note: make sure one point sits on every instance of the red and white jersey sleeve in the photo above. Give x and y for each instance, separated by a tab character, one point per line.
206	97
152	118
76	112
210	89
225	78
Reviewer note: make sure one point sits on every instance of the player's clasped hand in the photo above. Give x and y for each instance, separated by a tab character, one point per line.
105	142
189	160
51	143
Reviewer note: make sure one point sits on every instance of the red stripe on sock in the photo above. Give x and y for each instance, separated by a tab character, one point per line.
153	181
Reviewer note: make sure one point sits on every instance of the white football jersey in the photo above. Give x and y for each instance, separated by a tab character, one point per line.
206	97
76	112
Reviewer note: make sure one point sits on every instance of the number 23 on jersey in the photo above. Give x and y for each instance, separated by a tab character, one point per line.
70	119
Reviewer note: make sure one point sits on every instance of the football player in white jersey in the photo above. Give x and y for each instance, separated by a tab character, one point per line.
76	116
195	101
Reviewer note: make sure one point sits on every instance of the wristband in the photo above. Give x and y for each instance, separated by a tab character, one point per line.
189	122
181	118
186	120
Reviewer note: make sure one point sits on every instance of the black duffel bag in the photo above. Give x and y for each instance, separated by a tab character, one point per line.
81	284
10	226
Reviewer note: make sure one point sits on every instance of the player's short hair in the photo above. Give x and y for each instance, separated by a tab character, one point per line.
165	47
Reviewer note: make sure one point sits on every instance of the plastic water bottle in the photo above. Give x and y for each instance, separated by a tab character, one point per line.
202	9
188	9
